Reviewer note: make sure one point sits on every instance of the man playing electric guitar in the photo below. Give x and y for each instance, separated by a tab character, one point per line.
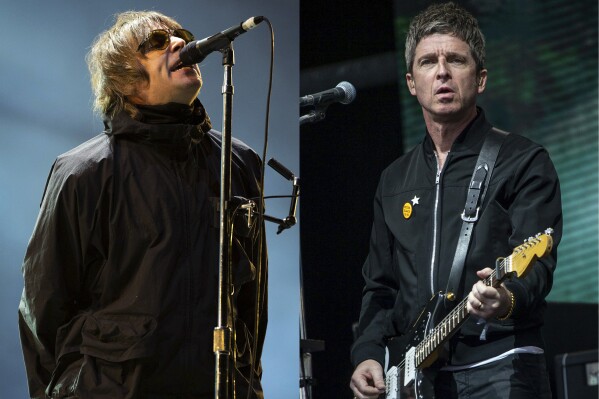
419	212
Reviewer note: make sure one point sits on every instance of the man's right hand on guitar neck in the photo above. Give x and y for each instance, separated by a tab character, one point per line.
368	382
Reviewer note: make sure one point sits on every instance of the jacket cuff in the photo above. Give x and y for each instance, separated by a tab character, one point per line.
520	296
367	351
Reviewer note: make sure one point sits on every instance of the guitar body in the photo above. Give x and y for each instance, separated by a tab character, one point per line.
413	354
421	386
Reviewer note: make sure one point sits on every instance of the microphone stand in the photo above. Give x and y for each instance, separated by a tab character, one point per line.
224	333
316	115
224	336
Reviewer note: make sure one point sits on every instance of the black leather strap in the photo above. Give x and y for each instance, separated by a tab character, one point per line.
474	200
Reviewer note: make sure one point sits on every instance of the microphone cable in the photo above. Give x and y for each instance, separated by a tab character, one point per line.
261	228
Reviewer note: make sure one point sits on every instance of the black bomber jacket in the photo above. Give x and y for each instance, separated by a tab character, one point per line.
411	253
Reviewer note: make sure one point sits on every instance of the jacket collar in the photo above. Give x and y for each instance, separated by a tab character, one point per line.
470	139
171	123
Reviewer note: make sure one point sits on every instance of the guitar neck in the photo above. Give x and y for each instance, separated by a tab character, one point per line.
458	315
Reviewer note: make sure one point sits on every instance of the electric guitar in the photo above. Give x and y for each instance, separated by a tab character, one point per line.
420	347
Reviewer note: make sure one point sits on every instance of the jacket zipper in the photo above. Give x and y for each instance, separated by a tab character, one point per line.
435	211
435	220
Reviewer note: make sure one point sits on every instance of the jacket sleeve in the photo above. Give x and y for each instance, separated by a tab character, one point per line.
50	272
380	290
534	204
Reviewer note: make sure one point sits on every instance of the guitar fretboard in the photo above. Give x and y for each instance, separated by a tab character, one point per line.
455	318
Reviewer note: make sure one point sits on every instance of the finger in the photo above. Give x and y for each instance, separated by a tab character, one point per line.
488	295
485	293
479	290
378	379
492	294
355	391
473	303
484	273
361	387
370	392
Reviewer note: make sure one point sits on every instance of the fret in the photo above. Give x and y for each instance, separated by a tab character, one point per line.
514	265
443	329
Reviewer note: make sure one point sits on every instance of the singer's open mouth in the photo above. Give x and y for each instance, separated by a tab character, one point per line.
178	66
443	90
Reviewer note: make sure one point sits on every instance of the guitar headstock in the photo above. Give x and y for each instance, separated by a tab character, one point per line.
523	257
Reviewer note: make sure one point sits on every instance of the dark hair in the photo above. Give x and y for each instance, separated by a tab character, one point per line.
446	18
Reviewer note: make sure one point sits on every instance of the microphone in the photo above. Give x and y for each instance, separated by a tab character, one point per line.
196	51
344	93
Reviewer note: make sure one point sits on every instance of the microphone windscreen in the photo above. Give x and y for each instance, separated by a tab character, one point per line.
349	90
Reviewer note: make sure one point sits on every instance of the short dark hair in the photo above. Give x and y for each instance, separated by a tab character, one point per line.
446	18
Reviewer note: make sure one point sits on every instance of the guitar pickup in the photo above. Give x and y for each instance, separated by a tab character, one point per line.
410	366
392	383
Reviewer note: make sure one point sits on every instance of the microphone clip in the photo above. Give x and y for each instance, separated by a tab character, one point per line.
316	115
291	219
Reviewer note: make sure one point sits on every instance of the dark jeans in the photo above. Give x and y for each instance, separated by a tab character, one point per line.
518	376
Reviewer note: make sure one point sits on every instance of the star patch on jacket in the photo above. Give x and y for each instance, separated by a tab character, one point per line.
408	208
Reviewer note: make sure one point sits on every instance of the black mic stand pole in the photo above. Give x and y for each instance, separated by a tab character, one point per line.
224	333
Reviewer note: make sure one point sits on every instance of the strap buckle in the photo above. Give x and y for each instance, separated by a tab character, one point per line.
470	219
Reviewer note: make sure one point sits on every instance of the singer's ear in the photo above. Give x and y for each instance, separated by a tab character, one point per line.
482	81
410	83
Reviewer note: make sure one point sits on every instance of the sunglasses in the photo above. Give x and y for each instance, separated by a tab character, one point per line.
159	39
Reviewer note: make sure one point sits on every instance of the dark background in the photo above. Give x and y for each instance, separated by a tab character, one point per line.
342	157
340	161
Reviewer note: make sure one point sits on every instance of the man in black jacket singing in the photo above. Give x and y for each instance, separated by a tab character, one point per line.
498	351
121	273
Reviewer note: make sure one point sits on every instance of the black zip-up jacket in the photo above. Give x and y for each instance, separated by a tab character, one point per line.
121	273
406	253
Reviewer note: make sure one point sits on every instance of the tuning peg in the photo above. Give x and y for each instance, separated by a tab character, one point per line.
549	231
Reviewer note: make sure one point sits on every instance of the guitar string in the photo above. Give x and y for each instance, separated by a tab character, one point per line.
462	306
459	312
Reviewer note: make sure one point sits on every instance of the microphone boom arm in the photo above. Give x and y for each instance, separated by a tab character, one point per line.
291	219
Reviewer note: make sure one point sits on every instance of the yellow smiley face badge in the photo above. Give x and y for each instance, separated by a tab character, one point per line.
408	208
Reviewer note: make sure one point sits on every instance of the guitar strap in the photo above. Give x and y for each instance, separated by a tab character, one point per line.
474	200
